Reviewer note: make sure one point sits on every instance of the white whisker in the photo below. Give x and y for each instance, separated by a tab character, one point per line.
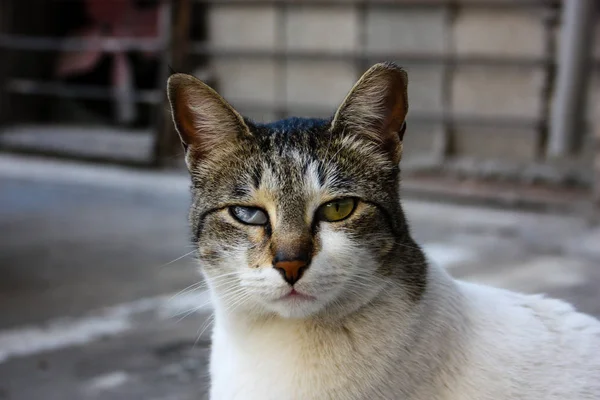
203	327
177	259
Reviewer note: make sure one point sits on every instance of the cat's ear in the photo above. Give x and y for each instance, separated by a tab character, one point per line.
203	119
376	107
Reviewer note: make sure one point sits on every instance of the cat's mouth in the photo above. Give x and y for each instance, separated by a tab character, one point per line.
293	294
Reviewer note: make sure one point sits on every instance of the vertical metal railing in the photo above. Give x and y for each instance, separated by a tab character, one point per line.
173	32
5	19
568	107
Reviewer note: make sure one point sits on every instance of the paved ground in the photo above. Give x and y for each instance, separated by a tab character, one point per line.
87	305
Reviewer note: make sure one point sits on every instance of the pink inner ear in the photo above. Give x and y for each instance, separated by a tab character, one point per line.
397	112
185	119
401	131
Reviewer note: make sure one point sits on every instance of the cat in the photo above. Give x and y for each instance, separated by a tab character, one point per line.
319	290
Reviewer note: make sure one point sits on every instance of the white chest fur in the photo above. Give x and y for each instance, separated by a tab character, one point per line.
283	359
463	342
280	363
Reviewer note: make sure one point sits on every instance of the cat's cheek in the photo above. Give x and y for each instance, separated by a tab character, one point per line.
321	282
382	247
264	283
257	257
214	252
208	254
335	243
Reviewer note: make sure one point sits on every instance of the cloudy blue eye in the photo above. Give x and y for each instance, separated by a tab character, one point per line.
249	215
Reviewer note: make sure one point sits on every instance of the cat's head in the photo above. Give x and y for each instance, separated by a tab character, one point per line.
299	217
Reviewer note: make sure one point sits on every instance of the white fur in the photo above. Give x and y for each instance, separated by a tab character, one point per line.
462	341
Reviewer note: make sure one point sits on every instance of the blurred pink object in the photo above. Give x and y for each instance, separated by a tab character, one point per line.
114	19
117	20
72	62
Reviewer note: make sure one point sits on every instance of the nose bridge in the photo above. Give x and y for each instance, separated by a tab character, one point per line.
291	230
291	245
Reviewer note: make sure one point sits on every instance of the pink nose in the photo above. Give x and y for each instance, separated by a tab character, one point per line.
291	270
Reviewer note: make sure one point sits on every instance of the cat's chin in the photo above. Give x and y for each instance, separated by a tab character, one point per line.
296	306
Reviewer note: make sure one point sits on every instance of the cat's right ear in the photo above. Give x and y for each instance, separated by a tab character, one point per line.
376	108
204	120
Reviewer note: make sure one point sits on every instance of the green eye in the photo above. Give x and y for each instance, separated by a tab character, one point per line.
337	210
249	215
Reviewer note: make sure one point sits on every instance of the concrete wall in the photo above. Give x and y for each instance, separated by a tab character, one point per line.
466	90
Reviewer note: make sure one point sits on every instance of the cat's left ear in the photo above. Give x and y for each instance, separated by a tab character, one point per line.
376	107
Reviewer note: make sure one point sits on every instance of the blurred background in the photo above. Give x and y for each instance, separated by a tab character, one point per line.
501	168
